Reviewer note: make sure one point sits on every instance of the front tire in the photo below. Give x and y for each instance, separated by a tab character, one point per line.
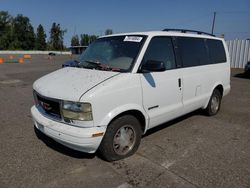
121	139
214	104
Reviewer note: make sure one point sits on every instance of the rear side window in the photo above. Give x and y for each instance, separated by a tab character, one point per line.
216	51
193	51
161	49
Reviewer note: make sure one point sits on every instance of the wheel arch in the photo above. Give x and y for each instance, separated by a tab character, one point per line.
218	86
137	112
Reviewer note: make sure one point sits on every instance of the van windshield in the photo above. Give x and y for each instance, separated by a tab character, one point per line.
116	53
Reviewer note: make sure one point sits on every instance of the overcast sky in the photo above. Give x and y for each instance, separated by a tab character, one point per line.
94	17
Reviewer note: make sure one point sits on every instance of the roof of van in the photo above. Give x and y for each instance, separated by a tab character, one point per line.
167	33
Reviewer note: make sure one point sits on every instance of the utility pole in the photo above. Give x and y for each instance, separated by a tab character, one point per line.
213	23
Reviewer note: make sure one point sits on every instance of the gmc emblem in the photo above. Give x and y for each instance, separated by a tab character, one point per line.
46	106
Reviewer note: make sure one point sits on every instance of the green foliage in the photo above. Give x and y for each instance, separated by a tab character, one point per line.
108	32
5	30
23	33
5	20
75	41
40	38
56	37
87	39
84	40
92	38
16	33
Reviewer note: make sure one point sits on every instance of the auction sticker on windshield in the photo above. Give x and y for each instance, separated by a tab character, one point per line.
132	39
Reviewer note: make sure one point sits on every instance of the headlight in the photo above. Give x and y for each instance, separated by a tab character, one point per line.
77	111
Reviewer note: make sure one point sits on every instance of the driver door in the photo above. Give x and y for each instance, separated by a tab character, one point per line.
162	91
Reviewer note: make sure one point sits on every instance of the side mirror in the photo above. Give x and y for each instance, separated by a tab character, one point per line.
153	66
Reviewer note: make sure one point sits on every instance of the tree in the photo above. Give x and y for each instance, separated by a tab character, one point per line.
5	20
87	39
92	38
75	41
84	40
108	32
40	38
56	37
5	30
22	33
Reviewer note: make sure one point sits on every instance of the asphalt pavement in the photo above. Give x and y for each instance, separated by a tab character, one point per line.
191	151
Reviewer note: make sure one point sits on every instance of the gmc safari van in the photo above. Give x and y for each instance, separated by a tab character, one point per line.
126	84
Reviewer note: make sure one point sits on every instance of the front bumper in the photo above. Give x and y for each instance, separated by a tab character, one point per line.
77	138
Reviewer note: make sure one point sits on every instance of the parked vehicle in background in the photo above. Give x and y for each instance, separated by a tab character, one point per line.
51	53
73	63
126	84
247	68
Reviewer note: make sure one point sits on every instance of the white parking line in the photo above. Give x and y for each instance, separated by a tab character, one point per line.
10	81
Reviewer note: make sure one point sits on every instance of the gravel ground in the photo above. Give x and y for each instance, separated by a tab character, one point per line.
191	151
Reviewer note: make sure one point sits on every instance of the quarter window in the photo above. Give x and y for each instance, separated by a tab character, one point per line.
216	51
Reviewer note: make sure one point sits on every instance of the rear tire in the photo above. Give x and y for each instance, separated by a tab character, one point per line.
121	139
214	104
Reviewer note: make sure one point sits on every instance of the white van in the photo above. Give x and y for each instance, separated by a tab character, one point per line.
126	84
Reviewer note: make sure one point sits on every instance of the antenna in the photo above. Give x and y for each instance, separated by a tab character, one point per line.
213	23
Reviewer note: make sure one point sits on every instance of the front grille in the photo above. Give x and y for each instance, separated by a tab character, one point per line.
49	106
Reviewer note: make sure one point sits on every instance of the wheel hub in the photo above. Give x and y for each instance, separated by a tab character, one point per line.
124	140
215	104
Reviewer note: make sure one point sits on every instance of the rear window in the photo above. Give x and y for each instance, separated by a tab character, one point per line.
216	51
193	51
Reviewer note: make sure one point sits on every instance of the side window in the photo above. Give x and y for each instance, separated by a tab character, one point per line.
161	49
193	51
216	51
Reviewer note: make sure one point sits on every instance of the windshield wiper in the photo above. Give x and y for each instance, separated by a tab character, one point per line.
97	63
100	66
89	62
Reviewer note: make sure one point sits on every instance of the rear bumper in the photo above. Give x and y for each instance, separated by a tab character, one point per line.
77	138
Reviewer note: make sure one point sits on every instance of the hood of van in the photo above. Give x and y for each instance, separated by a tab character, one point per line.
70	83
